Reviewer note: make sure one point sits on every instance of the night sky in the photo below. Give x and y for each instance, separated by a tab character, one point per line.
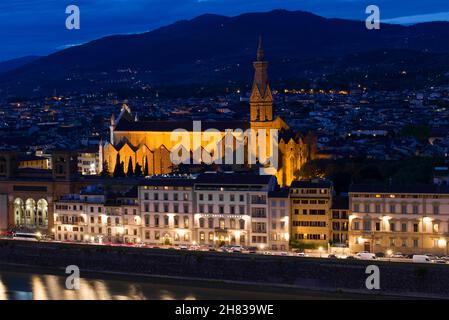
37	27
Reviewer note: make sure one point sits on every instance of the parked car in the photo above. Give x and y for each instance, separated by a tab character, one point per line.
441	261
301	254
421	258
332	256
365	256
252	249
397	255
236	249
380	254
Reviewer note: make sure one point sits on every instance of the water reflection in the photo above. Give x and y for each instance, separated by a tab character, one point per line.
25	286
35	286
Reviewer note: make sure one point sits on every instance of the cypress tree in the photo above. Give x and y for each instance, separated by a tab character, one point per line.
130	171
138	171
146	170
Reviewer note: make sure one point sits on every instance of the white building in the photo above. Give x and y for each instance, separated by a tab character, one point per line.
212	209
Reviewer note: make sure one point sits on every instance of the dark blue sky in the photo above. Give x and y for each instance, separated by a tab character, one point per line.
37	27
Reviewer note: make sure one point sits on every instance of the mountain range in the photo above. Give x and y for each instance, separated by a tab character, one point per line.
213	50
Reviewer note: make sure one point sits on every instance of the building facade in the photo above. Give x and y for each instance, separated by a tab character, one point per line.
279	208
340	221
148	143
406	219
212	209
310	210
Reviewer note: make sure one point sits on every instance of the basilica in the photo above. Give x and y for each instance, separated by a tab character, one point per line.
147	144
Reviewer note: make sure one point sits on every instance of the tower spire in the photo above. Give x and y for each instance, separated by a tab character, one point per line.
261	101
260	50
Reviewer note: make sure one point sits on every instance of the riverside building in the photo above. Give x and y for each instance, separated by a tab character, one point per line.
399	218
211	209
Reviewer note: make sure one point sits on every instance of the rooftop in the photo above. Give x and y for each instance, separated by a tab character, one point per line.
312	183
400	188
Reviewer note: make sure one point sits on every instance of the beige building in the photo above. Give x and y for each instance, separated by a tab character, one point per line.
406	219
95	217
310	211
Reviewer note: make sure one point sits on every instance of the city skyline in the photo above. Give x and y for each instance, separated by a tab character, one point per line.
29	27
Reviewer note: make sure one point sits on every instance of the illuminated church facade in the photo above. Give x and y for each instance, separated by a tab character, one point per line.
148	143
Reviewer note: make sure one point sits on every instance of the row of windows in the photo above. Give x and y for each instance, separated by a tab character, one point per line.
212	238
309	191
404	243
281	203
309	223
275	213
67	207
165	196
403	227
312	212
221	209
157	236
309	201
281	225
166	208
221	223
309	236
221	197
166	221
392	208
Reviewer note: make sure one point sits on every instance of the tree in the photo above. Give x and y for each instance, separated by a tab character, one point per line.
138	171
118	169
105	172
146	170
130	171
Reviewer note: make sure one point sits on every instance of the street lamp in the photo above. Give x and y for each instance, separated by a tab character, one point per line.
320	249
389	253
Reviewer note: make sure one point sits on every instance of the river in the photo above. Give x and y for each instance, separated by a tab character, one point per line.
26	285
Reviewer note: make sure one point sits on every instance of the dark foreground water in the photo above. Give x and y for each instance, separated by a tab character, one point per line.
24	285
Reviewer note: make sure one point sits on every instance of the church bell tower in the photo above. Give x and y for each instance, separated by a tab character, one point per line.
261	101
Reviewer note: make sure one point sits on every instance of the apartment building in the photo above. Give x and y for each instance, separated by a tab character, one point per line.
166	204
340	221
401	218
211	209
233	209
279	208
310	210
95	216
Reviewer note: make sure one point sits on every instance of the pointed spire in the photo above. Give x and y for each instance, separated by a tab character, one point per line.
260	50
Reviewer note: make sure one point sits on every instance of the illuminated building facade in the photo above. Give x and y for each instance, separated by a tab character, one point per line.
310	206
212	209
148	143
400	218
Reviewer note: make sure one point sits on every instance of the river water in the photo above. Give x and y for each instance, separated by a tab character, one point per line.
25	285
